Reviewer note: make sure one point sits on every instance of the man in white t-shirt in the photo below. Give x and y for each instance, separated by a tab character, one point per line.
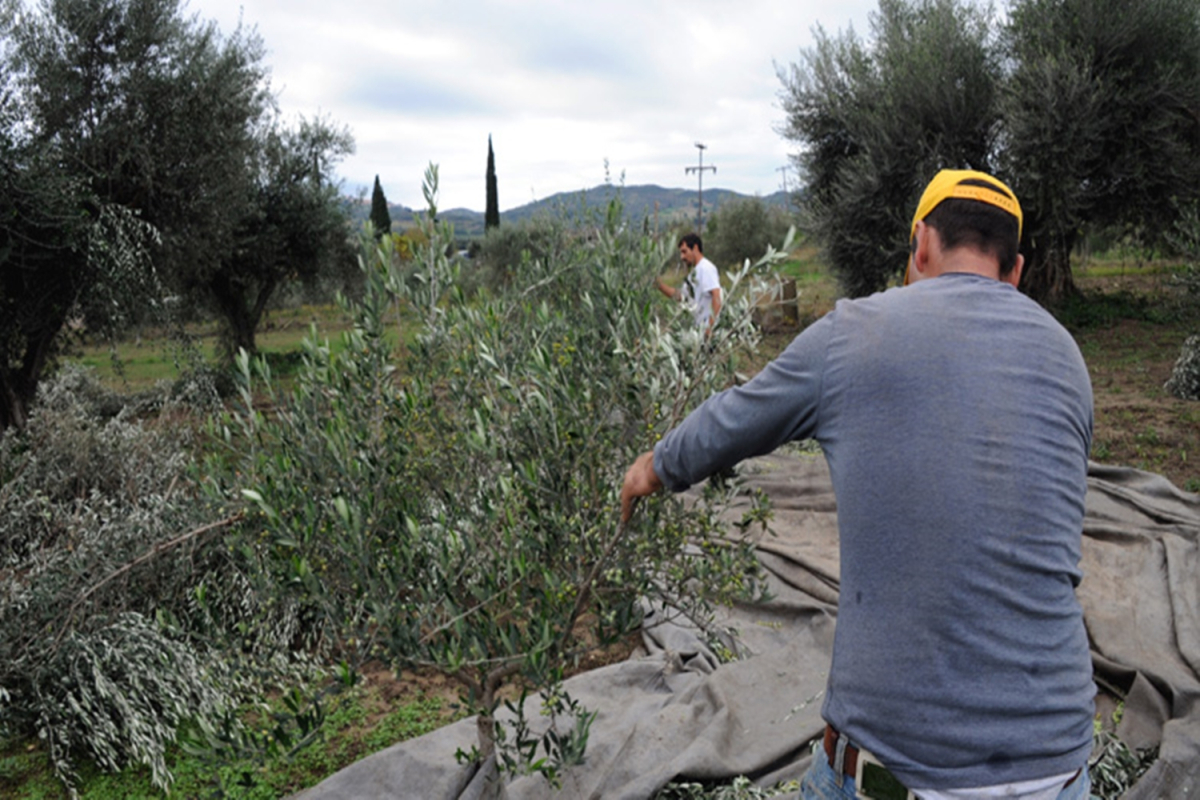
701	290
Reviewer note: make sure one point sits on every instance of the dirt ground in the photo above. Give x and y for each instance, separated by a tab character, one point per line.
1138	424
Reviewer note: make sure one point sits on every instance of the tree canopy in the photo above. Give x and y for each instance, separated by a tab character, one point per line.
1102	114
65	254
293	227
151	110
136	135
877	118
1090	110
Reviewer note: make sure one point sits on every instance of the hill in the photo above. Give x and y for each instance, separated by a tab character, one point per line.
656	205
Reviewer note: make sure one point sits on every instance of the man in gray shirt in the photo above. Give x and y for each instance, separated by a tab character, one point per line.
956	418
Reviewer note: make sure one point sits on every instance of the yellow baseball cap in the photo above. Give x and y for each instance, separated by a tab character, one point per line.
949	183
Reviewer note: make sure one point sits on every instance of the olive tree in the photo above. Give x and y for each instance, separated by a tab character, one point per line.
153	110
159	113
742	229
457	509
1101	125
876	117
64	255
1087	109
293	227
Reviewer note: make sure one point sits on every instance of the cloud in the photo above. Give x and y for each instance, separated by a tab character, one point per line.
417	99
561	87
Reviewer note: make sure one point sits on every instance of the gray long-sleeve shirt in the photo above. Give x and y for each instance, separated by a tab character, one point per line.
956	417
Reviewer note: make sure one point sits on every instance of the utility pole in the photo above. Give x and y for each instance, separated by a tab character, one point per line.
699	177
784	171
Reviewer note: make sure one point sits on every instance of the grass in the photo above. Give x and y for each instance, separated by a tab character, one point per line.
139	363
360	722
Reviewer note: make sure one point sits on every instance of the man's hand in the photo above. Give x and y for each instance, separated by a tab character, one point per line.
640	480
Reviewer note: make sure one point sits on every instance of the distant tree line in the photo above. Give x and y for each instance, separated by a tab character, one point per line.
142	154
1089	109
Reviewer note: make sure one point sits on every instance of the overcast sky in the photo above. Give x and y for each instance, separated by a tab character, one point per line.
561	87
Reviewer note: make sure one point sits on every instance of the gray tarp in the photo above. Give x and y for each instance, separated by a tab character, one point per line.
672	714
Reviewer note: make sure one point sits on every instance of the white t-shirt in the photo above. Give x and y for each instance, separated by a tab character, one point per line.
697	290
1041	789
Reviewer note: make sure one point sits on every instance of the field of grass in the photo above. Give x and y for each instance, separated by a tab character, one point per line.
137	363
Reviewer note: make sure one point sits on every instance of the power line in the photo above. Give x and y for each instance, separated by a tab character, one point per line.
699	170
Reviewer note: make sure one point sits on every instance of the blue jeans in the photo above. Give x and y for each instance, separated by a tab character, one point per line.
820	783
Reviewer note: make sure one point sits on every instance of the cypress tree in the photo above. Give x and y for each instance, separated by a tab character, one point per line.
380	217
491	217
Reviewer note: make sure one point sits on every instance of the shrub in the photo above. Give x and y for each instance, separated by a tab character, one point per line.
505	248
461	512
742	229
1184	382
77	460
94	579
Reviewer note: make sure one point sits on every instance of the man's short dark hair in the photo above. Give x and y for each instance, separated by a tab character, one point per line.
691	240
985	227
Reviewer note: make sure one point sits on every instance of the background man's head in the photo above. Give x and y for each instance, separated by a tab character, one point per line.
972	209
691	249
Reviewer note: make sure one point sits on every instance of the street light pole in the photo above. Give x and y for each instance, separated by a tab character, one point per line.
699	170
